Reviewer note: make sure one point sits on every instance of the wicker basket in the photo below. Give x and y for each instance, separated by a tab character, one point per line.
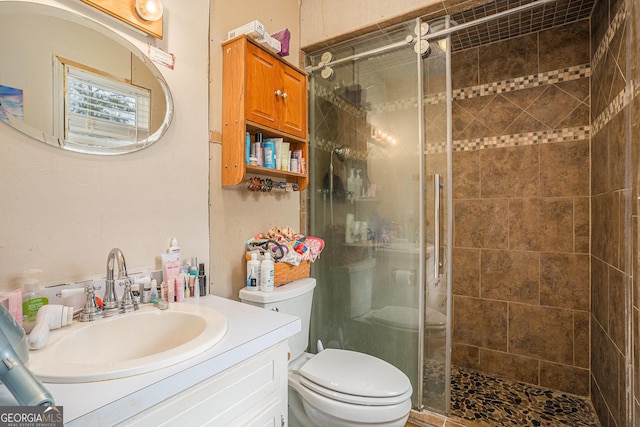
285	272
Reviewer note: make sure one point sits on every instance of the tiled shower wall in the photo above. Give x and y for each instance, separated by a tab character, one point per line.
615	119
521	208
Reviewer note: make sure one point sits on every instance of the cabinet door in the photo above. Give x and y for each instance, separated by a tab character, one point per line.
261	99
293	105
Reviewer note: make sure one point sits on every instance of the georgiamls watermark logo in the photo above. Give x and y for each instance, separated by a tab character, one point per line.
31	416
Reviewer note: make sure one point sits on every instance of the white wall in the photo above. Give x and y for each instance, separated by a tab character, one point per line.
237	214
62	212
324	19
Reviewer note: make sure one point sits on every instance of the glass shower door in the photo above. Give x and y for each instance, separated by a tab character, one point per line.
436	122
370	194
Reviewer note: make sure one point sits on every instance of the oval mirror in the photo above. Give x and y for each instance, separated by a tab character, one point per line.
77	85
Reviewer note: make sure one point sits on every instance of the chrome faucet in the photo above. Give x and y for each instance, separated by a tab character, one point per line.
110	301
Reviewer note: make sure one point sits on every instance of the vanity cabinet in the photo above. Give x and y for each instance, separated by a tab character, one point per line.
251	393
261	93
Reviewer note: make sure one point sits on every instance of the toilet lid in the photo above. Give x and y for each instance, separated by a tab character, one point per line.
355	374
407	317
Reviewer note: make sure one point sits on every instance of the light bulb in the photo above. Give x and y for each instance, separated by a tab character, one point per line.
149	10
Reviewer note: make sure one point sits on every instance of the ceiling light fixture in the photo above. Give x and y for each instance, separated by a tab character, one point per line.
149	10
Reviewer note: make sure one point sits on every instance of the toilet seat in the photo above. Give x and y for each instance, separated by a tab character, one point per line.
375	382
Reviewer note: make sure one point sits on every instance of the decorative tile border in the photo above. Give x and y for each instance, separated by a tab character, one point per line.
566	74
525	82
335	99
615	25
523	139
616	105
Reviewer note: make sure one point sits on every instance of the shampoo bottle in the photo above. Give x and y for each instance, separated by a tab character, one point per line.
32	299
253	272
267	273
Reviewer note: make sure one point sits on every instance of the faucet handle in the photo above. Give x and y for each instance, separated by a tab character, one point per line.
91	310
128	302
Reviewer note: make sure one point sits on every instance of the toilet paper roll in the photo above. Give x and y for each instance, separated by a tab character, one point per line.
403	277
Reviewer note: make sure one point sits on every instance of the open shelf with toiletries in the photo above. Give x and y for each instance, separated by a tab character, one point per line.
261	94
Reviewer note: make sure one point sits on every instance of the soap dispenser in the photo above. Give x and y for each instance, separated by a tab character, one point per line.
32	298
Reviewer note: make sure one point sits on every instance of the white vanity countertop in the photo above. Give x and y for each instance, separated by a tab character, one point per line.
250	330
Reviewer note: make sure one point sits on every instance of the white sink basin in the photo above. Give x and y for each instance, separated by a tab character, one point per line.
128	344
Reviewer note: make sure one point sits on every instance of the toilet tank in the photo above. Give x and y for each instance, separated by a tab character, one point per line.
294	298
353	287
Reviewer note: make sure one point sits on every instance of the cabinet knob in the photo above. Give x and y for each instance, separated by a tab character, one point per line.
281	94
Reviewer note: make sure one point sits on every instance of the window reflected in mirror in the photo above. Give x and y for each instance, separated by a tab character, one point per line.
81	87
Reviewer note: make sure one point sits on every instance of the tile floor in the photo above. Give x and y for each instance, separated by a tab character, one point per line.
479	400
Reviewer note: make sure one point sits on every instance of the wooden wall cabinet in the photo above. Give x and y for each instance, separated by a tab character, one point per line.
261	93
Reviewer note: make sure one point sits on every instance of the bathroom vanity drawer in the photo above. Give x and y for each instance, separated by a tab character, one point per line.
251	393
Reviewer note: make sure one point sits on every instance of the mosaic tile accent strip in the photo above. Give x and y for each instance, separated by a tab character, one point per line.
617	21
617	104
326	145
522	139
524	82
494	402
335	99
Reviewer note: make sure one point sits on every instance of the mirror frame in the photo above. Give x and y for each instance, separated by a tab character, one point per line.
71	16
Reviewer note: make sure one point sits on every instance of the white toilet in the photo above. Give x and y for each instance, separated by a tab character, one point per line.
353	293
334	388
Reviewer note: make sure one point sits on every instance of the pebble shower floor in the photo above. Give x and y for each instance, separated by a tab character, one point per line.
490	401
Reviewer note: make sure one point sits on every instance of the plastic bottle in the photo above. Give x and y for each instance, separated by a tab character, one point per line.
269	153
32	299
202	280
193	273
267	273
351	183
174	248
153	291
247	150
253	272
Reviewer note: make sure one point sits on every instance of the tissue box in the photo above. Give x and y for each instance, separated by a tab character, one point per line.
265	41
274	45
254	29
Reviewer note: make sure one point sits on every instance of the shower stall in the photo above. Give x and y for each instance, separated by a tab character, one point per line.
380	197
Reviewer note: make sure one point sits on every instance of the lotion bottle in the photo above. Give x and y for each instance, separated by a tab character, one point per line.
267	273
253	272
174	248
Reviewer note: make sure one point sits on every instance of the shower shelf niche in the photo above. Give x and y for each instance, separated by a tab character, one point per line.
260	93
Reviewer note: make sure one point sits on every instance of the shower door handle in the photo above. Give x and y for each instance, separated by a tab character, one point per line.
437	186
